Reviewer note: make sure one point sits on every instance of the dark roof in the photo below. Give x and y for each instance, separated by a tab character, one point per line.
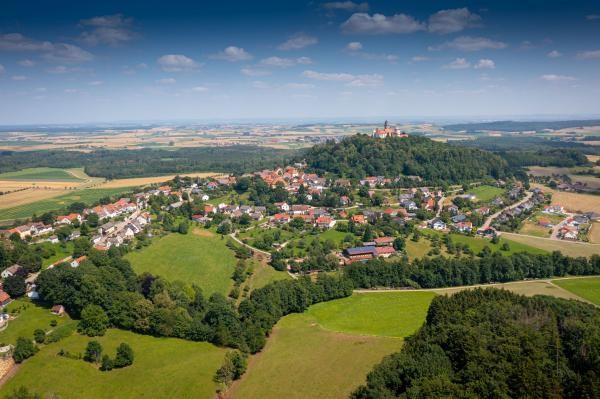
360	250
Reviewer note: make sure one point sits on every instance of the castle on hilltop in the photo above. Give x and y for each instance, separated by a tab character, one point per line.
388	131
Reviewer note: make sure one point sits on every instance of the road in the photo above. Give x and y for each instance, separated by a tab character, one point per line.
488	222
559	226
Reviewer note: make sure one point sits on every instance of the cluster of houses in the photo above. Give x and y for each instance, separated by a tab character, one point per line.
571	227
381	246
318	217
523	208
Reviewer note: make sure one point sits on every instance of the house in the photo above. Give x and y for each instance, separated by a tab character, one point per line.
409	205
429	204
459	218
281	218
284	206
384	241
300	209
69	219
359	219
204	197
545	222
54	239
58	310
325	222
553	209
208	208
463	227
344	200
483	210
11	271
498	201
453	209
359	253
107	228
437	224
384	251
5	299
391	212
201	219
77	262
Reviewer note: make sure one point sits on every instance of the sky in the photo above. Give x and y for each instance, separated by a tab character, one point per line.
103	61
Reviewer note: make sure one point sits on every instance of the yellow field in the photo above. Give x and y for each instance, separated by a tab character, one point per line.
566	247
577	202
28	196
594	233
593	158
144	181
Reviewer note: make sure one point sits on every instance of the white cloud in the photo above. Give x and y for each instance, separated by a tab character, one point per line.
556	78
454	20
365	80
107	29
177	63
166	81
419	58
300	86
585	55
593	17
354	46
26	63
19	77
468	43
53	52
458	63
298	41
254	72
378	24
258	84
485	63
346	6
199	89
284	62
2	68
59	69
71	91
233	54
554	54
96	83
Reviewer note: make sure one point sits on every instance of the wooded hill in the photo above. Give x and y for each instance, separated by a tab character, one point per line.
360	155
495	344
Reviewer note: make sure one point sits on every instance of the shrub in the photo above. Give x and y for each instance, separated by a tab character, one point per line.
39	336
24	349
124	356
93	352
107	363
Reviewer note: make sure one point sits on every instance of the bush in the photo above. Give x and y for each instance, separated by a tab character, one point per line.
14	286
94	321
93	352
107	363
22	393
39	336
234	366
124	356
24	349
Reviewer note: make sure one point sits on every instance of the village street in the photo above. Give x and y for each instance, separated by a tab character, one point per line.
488	222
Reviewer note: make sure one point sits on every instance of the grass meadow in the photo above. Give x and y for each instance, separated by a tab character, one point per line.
40	174
486	193
587	287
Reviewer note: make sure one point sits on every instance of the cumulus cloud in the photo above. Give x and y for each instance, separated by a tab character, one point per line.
354	46
556	78
454	20
485	64
107	29
365	80
255	71
177	63
584	55
346	6
458	63
26	63
280	62
468	43
233	54
554	54
298	41
379	24
166	81
52	52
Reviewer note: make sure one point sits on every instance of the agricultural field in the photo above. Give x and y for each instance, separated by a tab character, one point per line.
486	193
145	181
575	202
40	174
591	181
163	367
546	244
304	347
585	287
87	196
594	233
199	257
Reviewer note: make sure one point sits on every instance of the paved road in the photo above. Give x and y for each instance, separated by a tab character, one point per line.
559	226
491	218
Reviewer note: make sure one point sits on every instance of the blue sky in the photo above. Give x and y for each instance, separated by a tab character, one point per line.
75	61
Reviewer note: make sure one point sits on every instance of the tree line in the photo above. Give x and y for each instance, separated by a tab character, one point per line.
495	344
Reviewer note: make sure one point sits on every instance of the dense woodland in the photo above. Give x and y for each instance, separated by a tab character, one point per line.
148	162
495	344
360	155
518	126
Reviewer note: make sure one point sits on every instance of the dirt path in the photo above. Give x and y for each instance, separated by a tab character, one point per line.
9	374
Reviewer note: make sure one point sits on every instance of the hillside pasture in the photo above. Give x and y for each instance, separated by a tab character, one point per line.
548	245
199	257
585	287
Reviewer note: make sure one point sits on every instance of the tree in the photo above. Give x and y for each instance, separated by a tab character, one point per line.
234	366
39	336
183	228
107	363
14	286
368	234
24	349
93	352
399	244
94	321
81	246
124	356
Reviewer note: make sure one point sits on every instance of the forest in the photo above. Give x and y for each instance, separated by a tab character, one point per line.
360	155
149	162
518	126
488	343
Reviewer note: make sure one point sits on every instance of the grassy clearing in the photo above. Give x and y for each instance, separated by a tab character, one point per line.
587	288
163	368
527	288
29	316
203	259
40	174
263	274
486	193
87	196
144	181
545	244
534	229
392	314
60	252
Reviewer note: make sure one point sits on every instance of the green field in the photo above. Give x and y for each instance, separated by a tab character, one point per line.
486	193
28	317
304	358
163	368
87	196
587	288
199	257
391	314
40	174
477	244
263	274
61	252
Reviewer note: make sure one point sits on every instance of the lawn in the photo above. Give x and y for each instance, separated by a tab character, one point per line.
40	174
477	244
566	247
533	229
87	196
392	314
163	368
587	288
263	274
61	252
486	193
198	257
29	316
